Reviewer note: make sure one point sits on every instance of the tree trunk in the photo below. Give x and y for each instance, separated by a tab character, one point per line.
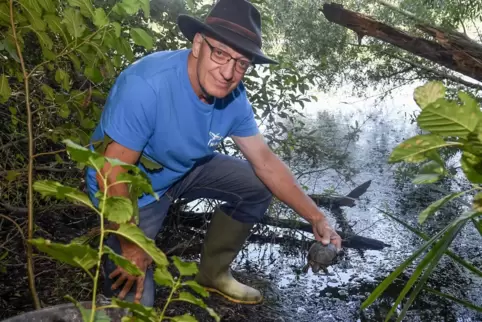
450	49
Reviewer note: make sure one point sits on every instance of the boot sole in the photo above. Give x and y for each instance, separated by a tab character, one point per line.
231	299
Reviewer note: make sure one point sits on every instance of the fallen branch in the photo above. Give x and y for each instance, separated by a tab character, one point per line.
452	50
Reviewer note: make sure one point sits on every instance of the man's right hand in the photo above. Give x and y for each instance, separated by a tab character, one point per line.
138	257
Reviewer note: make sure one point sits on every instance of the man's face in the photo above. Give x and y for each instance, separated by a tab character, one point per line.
217	79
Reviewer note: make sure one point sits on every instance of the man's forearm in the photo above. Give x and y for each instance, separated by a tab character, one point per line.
114	189
279	179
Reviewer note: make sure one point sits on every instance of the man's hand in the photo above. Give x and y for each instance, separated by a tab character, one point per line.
137	256
325	233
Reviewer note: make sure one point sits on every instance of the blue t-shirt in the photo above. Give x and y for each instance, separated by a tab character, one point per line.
152	108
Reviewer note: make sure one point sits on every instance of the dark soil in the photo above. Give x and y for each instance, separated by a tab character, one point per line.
54	279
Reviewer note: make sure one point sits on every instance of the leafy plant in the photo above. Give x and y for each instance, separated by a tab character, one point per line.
450	124
118	210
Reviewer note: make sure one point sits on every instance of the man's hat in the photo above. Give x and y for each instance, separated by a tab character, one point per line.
236	23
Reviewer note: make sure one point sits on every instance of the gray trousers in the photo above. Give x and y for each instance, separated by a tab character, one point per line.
220	177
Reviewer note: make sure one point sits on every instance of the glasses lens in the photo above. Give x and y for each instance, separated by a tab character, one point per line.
220	56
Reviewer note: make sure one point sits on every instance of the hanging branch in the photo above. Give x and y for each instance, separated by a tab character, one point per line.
451	49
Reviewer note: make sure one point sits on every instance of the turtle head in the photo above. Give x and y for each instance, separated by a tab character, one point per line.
315	267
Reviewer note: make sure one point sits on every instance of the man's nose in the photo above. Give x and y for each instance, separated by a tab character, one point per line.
227	70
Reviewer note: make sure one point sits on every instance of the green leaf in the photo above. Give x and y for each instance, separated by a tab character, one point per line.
477	202
55	24
73	254
75	60
140	311
472	167
121	261
449	119
149	164
117	28
128	6
415	148
74	22
116	208
184	318
4	14
437	205
146	7
33	12
140	182
85	7
141	38
5	90
83	155
12	175
100	18
390	278
430	173
135	235
453	298
93	74
196	287
45	40
422	235
63	78
185	268
429	93
47	5
188	297
163	277
49	188
64	110
125	48
431	260
48	92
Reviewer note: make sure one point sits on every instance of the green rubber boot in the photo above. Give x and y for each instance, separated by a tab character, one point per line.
224	239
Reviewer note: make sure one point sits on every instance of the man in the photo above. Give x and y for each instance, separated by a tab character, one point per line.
174	108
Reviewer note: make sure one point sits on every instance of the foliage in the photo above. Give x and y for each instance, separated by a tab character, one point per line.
452	124
119	211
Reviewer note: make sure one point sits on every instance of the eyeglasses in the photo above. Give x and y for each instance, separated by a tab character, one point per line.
221	57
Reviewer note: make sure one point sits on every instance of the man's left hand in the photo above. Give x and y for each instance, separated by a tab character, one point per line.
325	233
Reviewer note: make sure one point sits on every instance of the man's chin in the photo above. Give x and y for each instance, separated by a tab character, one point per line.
218	92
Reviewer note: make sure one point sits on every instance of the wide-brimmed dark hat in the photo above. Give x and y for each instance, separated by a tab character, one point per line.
236	23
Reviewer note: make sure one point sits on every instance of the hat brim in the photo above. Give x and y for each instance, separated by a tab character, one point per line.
189	26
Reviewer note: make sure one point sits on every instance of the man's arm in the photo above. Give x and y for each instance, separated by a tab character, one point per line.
278	178
117	151
130	251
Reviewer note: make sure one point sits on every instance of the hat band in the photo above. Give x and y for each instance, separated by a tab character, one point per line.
234	27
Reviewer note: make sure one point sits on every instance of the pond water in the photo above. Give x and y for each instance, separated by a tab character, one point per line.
338	295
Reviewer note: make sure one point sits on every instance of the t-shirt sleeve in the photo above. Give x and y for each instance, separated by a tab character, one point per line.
130	112
245	123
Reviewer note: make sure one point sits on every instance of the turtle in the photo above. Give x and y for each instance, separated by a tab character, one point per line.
320	257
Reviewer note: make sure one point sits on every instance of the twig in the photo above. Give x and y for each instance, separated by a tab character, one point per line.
30	268
9	144
41	168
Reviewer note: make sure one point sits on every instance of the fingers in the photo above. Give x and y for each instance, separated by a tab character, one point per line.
116	272
140	289
119	281
127	287
336	240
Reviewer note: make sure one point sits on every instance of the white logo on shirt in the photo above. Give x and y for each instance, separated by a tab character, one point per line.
215	139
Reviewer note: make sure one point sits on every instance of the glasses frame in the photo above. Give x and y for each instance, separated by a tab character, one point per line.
236	66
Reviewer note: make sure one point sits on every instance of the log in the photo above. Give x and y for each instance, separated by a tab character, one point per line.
349	240
452	50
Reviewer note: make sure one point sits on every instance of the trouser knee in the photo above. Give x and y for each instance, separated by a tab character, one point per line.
253	207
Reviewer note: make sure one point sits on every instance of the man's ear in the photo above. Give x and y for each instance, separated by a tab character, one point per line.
196	44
